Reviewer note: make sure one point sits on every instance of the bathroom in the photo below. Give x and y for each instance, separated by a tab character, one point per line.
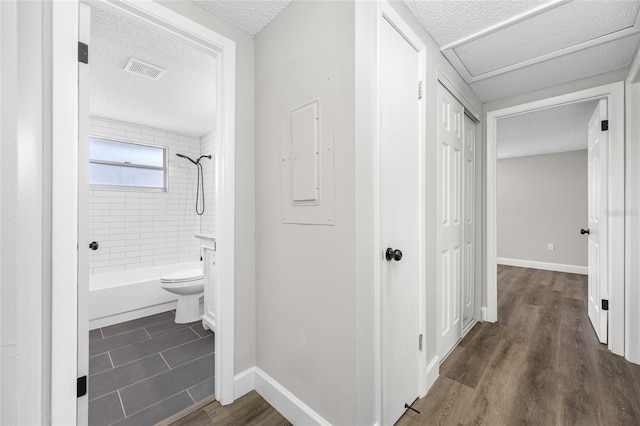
152	97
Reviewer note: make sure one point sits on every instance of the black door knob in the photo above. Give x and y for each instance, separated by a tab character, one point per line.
94	245
392	254
585	231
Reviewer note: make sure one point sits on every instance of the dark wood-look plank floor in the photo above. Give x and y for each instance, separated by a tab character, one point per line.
251	409
540	364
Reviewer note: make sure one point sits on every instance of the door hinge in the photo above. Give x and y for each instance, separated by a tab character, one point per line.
83	53
419	90
605	305
420	342
82	386
604	125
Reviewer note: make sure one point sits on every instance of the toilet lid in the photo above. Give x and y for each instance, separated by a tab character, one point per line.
181	276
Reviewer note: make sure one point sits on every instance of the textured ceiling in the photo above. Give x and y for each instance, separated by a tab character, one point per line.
546	131
504	48
248	15
182	101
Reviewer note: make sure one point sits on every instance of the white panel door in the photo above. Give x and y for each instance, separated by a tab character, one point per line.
597	171
450	251
399	178
468	205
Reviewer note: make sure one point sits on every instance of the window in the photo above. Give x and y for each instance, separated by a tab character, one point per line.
119	164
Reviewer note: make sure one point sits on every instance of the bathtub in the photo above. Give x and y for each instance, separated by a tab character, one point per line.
120	296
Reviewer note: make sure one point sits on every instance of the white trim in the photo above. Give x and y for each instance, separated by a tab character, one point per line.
632	218
614	93
64	210
483	314
433	371
287	404
64	182
244	382
547	266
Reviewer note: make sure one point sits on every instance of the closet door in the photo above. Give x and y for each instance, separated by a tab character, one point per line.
450	220
469	208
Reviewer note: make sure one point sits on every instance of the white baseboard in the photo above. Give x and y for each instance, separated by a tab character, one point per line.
296	411
433	371
244	382
483	314
558	267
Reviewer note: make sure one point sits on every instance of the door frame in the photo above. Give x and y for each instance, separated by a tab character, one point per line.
614	93
385	12
65	120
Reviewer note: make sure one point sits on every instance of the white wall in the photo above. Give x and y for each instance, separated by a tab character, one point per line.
543	199
245	179
138	229
305	292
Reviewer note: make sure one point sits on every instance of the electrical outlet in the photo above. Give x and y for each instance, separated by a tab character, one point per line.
550	246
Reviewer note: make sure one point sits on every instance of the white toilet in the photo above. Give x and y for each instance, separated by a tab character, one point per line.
189	286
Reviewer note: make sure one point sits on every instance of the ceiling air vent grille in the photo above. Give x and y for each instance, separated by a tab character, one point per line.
144	69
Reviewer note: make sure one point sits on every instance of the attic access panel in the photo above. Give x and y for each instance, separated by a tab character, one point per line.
544	33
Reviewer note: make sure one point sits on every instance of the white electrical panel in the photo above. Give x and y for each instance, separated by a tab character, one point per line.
307	154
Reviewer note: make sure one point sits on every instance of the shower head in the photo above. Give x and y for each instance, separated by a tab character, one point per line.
184	156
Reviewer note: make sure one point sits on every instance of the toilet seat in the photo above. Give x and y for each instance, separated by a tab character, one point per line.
182	276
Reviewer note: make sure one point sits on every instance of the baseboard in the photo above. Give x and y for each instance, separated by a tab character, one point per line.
244	382
287	404
483	314
557	267
433	371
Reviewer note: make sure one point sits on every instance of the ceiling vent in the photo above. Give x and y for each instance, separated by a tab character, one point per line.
144	69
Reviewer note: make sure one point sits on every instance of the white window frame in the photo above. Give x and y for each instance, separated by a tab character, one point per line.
164	168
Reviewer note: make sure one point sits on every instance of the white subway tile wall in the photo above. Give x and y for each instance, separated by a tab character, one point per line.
138	229
208	224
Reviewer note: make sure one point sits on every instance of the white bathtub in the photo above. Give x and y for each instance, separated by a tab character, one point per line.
120	296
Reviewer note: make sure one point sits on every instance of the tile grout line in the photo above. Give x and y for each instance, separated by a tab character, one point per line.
191	396
159	402
146	340
101	333
121	404
111	360
165	361
162	372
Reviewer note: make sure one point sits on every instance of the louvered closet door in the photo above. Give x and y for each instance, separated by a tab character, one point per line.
450	220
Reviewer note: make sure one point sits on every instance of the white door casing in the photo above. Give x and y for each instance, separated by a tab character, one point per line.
614	93
401	129
66	242
84	33
469	207
598	229
450	220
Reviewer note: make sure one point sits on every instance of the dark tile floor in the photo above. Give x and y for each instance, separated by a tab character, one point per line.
145	370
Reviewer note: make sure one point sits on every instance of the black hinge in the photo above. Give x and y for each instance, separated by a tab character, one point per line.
605	305
83	53
604	125
82	386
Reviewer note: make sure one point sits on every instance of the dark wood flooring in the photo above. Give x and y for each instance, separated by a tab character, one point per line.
251	409
540	364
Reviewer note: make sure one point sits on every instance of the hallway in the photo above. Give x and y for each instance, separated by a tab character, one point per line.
541	363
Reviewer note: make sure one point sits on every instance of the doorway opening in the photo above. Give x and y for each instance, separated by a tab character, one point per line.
609	101
163	23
